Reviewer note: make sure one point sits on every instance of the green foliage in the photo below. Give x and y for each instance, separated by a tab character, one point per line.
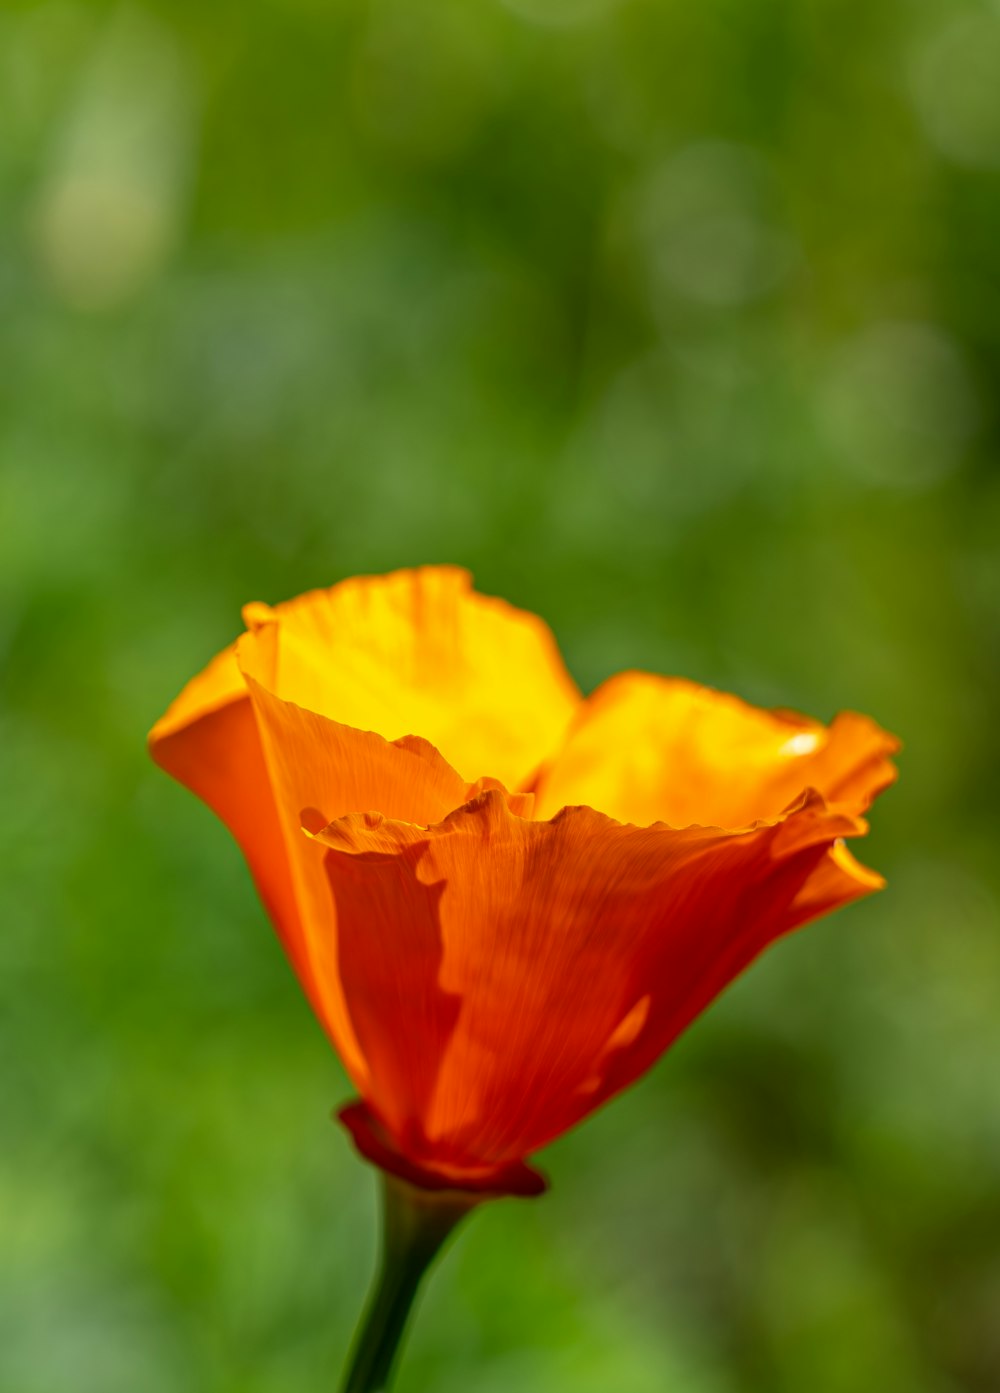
677	323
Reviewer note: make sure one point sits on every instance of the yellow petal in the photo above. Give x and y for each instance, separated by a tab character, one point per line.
645	749
420	653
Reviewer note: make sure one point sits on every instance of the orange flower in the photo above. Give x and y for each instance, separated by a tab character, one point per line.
506	916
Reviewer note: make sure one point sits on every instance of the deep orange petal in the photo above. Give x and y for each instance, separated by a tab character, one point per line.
419	652
506	976
645	749
318	770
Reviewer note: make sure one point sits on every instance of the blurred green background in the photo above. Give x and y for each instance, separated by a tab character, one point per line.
677	323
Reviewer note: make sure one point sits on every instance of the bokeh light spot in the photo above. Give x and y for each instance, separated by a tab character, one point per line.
956	86
110	205
900	404
705	226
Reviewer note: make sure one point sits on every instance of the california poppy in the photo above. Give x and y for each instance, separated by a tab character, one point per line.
502	899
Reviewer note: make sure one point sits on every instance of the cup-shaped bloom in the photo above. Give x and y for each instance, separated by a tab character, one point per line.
504	901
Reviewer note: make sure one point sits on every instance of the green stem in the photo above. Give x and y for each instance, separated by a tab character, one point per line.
415	1224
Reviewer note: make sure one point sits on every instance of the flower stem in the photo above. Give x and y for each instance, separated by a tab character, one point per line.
415	1223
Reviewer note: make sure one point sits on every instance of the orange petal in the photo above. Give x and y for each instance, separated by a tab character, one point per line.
208	741
837	879
419	652
645	749
318	770
505	976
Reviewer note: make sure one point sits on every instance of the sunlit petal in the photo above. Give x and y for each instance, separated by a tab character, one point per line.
646	749
421	653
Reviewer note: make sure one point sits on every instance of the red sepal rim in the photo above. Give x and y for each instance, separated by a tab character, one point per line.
372	1142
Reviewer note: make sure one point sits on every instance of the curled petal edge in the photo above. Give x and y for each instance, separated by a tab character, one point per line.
808	821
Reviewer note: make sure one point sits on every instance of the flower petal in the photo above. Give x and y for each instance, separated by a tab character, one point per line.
506	976
420	652
646	749
208	741
319	770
